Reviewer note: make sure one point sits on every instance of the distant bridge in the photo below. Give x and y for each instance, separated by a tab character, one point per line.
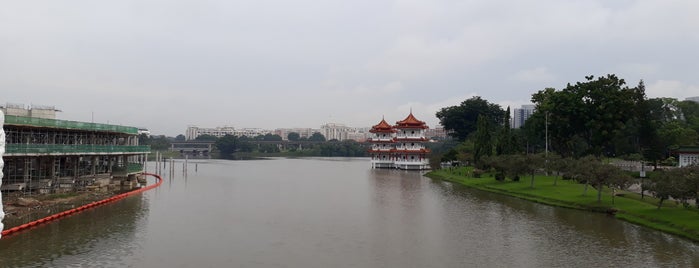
192	147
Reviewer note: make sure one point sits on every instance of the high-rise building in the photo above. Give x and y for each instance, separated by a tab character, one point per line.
521	115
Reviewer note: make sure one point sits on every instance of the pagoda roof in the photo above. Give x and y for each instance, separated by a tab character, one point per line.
382	126
687	150
411	122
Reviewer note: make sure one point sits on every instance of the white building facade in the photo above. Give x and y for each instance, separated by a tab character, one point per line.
688	156
193	132
334	131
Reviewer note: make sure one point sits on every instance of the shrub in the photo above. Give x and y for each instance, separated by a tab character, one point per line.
499	176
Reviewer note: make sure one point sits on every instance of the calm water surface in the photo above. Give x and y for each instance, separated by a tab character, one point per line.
334	213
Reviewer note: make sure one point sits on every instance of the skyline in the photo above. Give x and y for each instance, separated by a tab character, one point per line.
164	65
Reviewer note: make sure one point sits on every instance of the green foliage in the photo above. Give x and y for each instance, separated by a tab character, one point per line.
293	136
483	146
180	137
505	142
206	137
450	156
230	144
596	111
461	120
681	184
316	137
347	148
157	143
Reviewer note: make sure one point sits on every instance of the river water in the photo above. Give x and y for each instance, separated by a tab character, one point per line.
332	212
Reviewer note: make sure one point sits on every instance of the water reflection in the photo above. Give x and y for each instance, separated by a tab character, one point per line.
330	212
105	233
537	235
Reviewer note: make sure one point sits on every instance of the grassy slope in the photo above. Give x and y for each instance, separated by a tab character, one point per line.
670	218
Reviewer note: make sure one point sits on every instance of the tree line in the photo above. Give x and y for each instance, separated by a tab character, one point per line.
578	126
599	116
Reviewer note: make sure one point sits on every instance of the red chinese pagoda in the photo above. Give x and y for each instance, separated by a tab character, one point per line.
382	145
399	146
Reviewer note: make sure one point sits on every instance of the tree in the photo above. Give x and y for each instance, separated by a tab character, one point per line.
505	142
599	174
588	116
268	148
271	137
228	144
316	137
461	120
293	136
650	114
159	143
206	137
180	137
557	164
532	163
663	186
483	143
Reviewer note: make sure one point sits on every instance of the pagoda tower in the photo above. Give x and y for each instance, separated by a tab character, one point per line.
410	152
382	145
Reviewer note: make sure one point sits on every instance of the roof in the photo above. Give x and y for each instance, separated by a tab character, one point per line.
687	149
411	122
382	127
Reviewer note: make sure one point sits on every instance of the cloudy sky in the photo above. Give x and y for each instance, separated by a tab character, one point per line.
167	64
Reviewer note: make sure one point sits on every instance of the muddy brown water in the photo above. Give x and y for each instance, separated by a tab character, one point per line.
334	212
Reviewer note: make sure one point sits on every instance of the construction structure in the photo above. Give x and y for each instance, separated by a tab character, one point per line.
400	146
46	155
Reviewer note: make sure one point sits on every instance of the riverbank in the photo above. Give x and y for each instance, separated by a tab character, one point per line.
671	218
20	209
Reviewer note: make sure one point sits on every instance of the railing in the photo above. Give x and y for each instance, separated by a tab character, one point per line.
53	123
415	148
409	137
72	149
129	168
134	167
388	139
424	161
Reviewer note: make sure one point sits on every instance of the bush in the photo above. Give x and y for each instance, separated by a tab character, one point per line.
516	178
499	176
477	173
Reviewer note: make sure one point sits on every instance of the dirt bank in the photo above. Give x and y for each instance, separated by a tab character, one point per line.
20	209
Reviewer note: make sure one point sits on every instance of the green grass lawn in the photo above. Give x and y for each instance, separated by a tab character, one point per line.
671	218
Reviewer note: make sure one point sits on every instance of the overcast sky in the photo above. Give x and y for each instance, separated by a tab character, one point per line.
167	64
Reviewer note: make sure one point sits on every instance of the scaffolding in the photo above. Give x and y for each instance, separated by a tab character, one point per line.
47	155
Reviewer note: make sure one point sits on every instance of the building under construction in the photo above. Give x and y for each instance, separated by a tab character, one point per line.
46	155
